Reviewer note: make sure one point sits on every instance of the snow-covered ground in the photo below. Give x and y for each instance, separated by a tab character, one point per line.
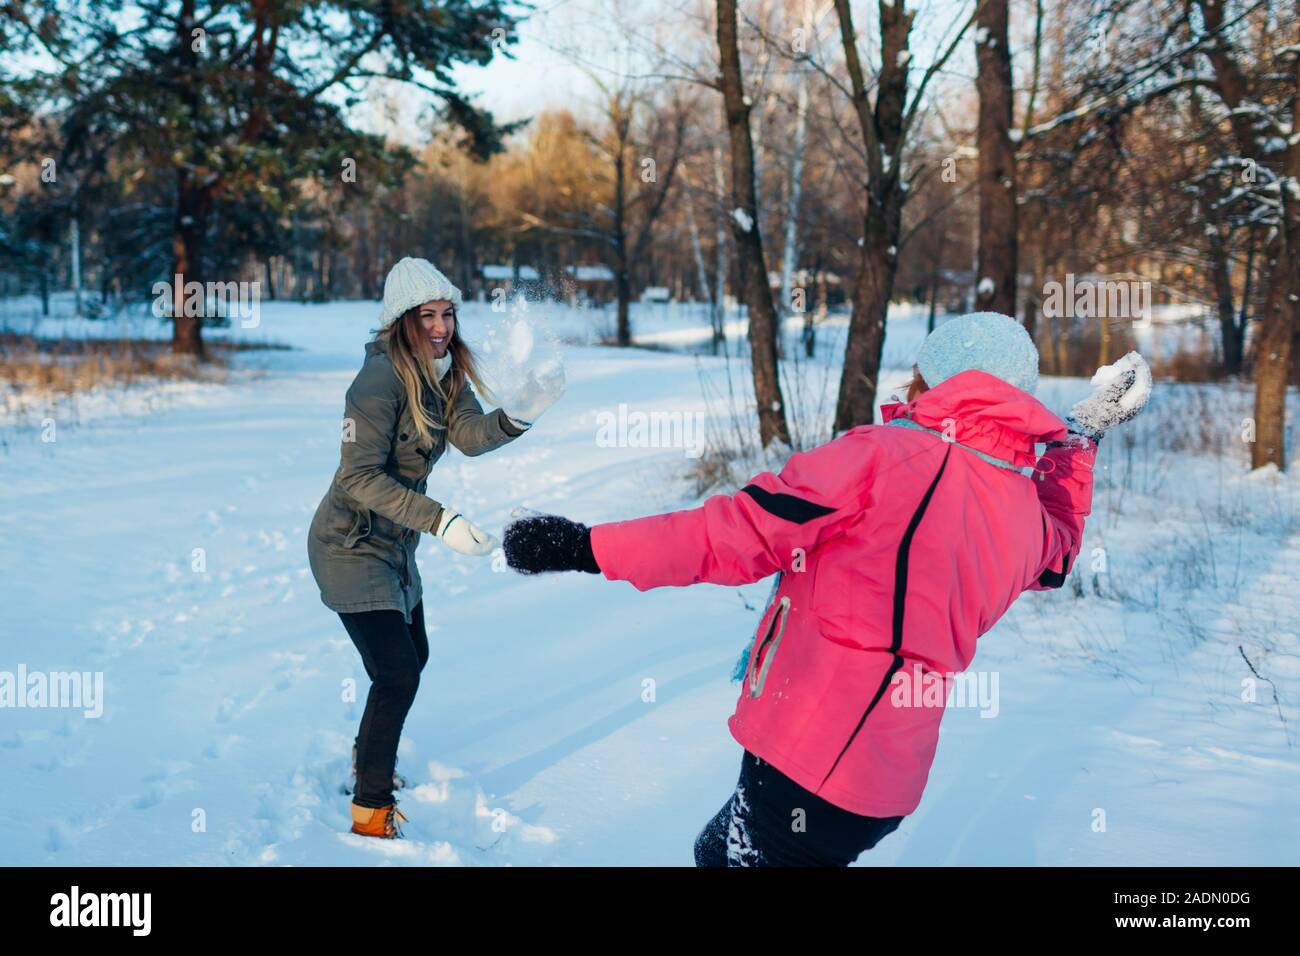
161	543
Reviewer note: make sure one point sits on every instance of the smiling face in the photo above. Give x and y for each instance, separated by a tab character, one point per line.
438	319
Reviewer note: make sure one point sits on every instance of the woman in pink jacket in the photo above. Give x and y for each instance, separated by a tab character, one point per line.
895	547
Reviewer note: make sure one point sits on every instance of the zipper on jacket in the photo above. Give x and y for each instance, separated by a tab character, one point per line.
900	602
763	661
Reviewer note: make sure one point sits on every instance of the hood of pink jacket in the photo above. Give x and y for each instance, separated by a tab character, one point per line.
983	412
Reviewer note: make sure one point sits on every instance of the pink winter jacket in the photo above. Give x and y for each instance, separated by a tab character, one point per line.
897	548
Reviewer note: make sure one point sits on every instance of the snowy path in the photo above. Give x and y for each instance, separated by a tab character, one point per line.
223	686
530	741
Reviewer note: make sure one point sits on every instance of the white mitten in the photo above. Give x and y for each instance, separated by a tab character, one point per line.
541	389
460	534
1121	391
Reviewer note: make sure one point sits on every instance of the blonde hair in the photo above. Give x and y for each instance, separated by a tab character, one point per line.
412	356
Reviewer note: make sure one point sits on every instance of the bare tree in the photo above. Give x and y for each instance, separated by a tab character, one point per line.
745	230
1255	132
794	188
884	126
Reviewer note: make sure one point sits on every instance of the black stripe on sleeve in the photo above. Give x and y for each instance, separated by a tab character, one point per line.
787	507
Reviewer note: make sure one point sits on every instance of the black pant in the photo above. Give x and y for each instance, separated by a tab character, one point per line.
394	654
772	821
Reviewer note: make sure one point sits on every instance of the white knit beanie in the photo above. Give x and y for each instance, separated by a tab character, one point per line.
413	282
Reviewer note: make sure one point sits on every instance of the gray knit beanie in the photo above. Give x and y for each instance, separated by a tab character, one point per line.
413	282
988	341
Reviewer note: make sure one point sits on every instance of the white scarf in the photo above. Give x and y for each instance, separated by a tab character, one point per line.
441	365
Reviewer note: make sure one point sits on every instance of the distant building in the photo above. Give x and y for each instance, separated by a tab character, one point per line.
510	274
588	285
585	285
509	281
590	273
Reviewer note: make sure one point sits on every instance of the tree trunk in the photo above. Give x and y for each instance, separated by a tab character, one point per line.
1273	356
936	273
809	322
697	253
188	230
749	244
995	290
364	256
794	189
1221	285
934	301
1278	324
1247	291
189	225
1062	327
883	132
623	293
872	289
468	264
1034	297
622	281
1280	321
720	249
74	255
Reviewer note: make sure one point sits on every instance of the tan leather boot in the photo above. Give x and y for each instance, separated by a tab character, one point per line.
382	822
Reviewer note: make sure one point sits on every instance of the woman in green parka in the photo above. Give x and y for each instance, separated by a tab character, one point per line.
412	396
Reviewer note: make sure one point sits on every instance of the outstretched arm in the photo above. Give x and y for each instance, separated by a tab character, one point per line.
730	539
474	431
1121	391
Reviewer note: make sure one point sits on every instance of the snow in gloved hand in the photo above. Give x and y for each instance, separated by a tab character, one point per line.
520	362
1121	390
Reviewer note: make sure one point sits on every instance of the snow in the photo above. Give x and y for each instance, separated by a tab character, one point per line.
743	219
986	286
533	739
520	362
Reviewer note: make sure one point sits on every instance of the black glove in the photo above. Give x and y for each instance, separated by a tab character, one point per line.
549	543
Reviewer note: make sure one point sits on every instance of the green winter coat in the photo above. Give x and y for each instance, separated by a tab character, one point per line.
362	541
